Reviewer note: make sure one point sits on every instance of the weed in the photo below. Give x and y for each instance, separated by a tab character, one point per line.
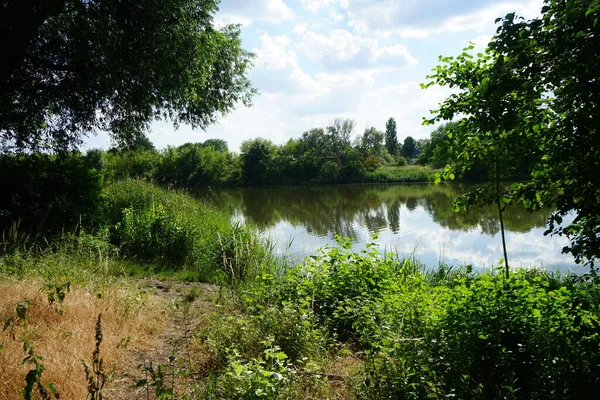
33	379
95	377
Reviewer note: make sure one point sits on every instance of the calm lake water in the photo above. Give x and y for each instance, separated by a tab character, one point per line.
416	219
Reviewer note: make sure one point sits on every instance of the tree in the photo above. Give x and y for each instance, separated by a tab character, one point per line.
218	144
409	147
337	142
371	142
434	151
139	142
536	89
391	137
257	161
73	67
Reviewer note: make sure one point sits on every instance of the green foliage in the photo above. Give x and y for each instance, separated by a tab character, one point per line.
409	147
371	142
372	162
45	194
258	157
534	89
329	172
178	232
123	164
269	376
33	379
426	334
155	234
400	174
197	165
528	337
56	293
74	67
155	379
391	137
341	283
401	161
435	150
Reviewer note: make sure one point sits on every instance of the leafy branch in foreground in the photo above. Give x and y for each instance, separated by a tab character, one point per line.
73	67
531	102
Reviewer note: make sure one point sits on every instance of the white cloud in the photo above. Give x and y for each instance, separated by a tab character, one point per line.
348	78
335	17
343	49
246	12
300	29
277	67
315	5
423	18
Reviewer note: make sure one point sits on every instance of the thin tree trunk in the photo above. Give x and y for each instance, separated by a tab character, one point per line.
500	217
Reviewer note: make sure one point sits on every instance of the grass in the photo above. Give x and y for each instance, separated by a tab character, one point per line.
181	236
390	174
65	339
341	324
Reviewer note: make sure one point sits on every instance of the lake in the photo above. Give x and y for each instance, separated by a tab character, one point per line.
412	220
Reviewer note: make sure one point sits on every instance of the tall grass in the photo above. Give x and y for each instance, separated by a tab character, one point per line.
406	174
179	233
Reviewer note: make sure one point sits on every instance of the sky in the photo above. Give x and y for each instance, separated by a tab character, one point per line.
318	60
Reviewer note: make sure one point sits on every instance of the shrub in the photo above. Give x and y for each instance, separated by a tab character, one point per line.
175	230
329	172
47	194
372	162
155	234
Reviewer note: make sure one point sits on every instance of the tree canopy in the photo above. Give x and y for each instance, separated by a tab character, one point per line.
533	99
409	147
73	67
391	137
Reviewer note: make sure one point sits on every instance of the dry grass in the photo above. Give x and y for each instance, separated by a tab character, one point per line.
130	322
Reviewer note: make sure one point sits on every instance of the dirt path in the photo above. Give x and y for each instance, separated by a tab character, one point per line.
176	349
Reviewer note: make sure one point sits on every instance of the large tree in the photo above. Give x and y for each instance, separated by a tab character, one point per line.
72	67
534	99
409	147
371	142
391	137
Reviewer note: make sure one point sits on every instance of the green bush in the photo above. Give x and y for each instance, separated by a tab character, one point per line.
266	377
430	334
519	338
173	229
329	172
372	162
45	194
155	234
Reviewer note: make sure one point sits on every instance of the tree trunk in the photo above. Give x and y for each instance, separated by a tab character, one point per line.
500	217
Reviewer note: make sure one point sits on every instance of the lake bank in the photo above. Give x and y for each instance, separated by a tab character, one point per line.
411	219
345	323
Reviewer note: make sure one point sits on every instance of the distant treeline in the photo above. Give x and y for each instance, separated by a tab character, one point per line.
47	192
320	155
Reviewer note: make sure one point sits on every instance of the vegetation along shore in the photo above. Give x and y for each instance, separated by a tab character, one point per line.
116	282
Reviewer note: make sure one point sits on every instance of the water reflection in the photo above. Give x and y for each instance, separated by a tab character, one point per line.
411	219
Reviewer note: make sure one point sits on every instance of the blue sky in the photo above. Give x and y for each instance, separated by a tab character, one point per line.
317	60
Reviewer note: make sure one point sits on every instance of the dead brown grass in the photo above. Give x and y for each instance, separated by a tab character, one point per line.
130	322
